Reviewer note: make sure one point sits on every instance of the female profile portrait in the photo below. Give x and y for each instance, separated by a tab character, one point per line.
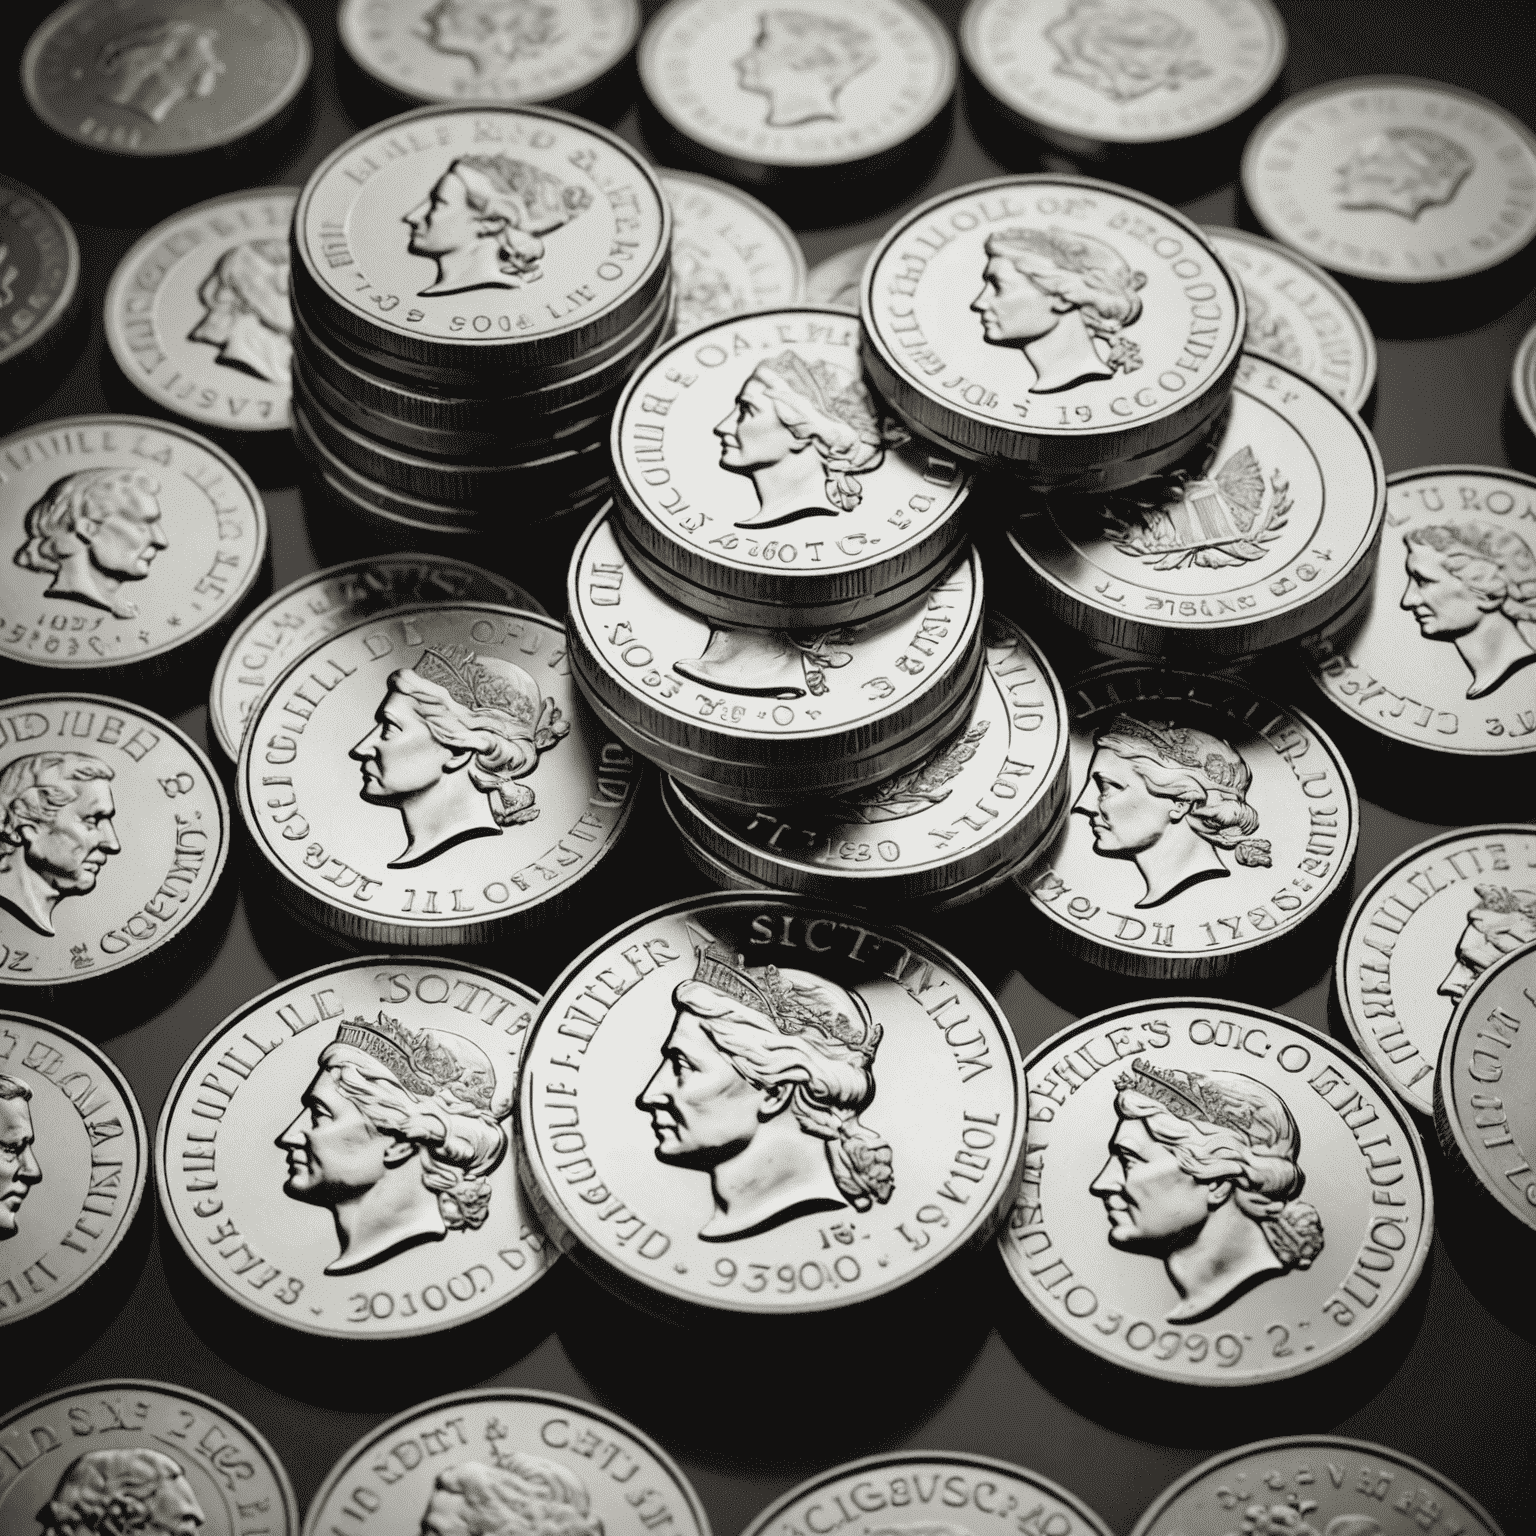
1403	170
246	313
801	61
1501	921
1064	300
763	1077
1474	587
1173	800
1203	1172
492	34
451	741
156	68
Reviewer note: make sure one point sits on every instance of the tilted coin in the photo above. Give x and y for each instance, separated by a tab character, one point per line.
1206	823
40	270
165	77
836	280
197	313
1263	538
83	779
103	1453
1440	656
1214	1194
74	1159
1305	1484
766	482
336	1155
127	543
1051	322
699	1121
1522	382
1394	179
456	1462
430	776
1420	934
1300	316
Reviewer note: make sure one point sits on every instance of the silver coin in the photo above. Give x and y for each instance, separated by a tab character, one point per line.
197	313
83	779
835	281
430	777
1300	316
444	1466
698	1114
1265	537
1051	322
752	459
1523	380
1162	870
1215	1195
74	1159
40	270
1440	657
1394	179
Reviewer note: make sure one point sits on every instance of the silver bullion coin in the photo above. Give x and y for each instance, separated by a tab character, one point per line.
74	1159
336	1155
1267	535
448	1466
83	779
1206	823
1394	179
1440	655
1312	1485
292	620
40	270
835	281
100	1454
1420	934
517	53
699	1120
1090	76
729	252
1124	325
752	460
1300	316
164	77
126	541
483	236
1523	380
430	777
1215	1195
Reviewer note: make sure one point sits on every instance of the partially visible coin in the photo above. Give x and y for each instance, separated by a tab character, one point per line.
1522	381
74	1159
40	271
103	1447
1394	179
836	280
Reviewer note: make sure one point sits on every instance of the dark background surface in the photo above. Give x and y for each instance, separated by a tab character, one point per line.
1453	1384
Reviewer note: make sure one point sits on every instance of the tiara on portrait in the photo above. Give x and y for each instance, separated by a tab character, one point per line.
423	1067
793	1009
1179	745
1185	1094
460	673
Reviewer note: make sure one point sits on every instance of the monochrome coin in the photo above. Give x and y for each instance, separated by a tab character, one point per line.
40	270
1215	1195
835	281
699	1118
1523	380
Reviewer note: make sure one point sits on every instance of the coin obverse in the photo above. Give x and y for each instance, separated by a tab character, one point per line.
1161	871
196	1464
74	1159
835	281
1522	383
41	272
1394	179
698	1116
1167	1220
1306	1484
431	777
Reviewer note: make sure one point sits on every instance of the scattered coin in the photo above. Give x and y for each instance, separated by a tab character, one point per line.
1523	380
40	270
835	281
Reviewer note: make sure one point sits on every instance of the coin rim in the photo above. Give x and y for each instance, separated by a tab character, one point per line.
1522	380
58	309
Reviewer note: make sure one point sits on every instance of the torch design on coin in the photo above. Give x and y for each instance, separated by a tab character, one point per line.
19	1168
492	34
1124	51
1499	922
801	62
247	315
157	68
1403	170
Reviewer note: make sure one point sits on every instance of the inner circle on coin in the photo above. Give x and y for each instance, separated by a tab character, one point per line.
43	257
263	1117
74	1159
699	1114
1215	1194
835	281
1393	178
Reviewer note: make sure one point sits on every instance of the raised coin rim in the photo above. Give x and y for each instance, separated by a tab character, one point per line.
1522	381
48	325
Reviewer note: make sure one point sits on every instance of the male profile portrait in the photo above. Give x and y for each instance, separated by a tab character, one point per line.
154	69
246	313
1124	50
115	1492
1403	170
801	61
518	1494
19	1170
492	34
1500	921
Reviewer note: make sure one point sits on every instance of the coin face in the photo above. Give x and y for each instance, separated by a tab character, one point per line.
699	1118
1206	823
1440	655
1215	1194
1268	534
1299	316
568	1463
835	281
1394	179
430	776
1083	74
186	1462
164	77
431	51
1051	319
83	779
1314	1483
74	1157
1523	380
40	270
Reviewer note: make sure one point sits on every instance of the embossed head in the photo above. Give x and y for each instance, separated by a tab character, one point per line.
138	1490
1502	921
56	830
1403	170
1124	50
801	61
156	68
491	34
19	1169
521	1495
246	309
